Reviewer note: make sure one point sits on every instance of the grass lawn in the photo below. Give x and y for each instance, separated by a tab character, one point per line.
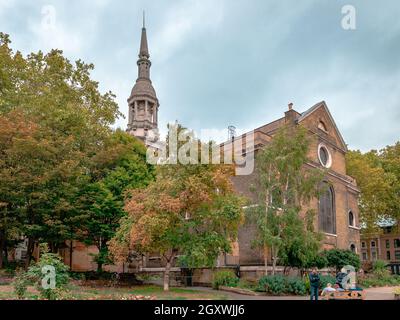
85	292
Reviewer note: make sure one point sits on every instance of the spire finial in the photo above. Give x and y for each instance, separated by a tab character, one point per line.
144	19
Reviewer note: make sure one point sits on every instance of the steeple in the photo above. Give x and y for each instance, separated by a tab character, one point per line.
143	102
144	48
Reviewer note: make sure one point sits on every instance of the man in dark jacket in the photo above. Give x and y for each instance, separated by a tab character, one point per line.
314	284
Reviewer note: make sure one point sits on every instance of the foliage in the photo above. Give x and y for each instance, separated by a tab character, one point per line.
379	268
224	278
383	280
378	177
283	186
397	291
325	279
276	284
296	286
34	276
63	171
191	209
338	258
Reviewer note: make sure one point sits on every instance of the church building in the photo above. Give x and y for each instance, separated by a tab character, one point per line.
337	209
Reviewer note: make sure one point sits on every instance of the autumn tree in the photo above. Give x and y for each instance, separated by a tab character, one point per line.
283	186
190	211
378	177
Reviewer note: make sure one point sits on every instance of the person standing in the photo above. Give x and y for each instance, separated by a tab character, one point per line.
314	284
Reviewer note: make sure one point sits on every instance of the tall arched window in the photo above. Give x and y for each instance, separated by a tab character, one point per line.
327	216
351	219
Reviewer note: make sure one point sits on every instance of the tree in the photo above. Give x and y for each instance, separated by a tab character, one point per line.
44	169
190	210
377	176
120	167
339	258
283	185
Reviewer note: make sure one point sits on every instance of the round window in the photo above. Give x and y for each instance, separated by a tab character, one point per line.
324	156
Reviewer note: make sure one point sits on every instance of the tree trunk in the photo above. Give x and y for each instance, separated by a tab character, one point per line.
71	248
166	276
266	260
5	261
274	266
2	246
31	245
168	271
274	260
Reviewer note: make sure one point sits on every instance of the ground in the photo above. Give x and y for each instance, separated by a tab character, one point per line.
100	292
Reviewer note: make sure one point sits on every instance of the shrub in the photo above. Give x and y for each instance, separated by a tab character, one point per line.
296	286
275	285
34	276
325	280
379	268
20	285
374	280
225	278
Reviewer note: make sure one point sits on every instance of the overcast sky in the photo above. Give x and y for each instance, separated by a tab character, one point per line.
233	62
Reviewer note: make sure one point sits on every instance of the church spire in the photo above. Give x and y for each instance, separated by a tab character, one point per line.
143	102
144	48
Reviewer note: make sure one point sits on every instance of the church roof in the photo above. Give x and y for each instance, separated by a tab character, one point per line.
322	104
143	87
271	127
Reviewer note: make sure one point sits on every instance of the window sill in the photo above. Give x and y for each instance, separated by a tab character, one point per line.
330	234
355	228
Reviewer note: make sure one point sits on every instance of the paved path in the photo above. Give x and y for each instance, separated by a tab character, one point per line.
384	293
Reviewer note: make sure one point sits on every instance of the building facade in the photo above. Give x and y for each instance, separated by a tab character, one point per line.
383	245
337	214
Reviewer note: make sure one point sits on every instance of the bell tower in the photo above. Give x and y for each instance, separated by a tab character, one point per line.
143	103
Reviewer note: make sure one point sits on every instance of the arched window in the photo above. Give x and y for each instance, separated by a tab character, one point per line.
353	248
351	219
322	126
327	216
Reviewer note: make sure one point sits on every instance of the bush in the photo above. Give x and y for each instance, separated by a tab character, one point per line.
275	285
325	280
379	268
374	280
225	278
296	286
34	276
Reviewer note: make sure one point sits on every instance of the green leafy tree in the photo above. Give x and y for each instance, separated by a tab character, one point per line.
65	124
283	186
101	202
338	258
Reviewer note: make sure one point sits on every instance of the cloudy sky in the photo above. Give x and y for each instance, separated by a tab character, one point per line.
233	62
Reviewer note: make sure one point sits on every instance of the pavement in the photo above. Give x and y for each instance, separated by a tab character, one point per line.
383	293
